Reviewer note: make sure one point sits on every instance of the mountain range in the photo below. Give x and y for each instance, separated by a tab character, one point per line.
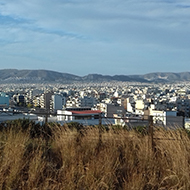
36	76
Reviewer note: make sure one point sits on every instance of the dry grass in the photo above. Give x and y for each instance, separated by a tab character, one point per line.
77	159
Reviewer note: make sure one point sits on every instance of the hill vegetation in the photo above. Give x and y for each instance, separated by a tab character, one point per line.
53	157
38	76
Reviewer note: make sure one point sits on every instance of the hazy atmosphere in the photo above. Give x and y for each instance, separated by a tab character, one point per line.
105	37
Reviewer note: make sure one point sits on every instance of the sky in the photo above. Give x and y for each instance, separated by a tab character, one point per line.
109	37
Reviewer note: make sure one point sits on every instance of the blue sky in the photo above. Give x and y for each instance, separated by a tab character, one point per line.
96	36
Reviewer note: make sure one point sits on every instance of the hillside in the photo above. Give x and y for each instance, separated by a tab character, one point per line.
14	75
27	76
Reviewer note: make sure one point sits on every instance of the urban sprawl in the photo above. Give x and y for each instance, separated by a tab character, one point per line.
116	102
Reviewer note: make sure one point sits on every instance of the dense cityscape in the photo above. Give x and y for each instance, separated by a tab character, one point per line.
82	102
94	95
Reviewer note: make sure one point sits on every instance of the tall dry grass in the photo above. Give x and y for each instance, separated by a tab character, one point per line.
79	159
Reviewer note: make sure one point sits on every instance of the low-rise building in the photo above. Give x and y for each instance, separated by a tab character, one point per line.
110	109
165	118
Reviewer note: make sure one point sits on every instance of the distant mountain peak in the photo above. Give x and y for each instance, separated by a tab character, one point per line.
28	76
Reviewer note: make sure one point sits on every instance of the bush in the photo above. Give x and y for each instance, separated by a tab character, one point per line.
141	130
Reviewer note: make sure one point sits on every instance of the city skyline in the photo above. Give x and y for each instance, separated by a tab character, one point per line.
104	37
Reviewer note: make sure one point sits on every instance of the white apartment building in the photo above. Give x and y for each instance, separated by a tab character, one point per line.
57	102
139	107
110	109
87	102
164	117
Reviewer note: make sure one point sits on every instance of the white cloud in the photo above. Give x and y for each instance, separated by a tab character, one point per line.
95	33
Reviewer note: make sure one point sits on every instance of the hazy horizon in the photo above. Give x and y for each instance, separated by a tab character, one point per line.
92	72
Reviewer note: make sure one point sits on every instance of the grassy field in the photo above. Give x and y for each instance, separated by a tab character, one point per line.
53	157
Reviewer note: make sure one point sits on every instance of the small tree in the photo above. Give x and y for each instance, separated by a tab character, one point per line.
29	105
